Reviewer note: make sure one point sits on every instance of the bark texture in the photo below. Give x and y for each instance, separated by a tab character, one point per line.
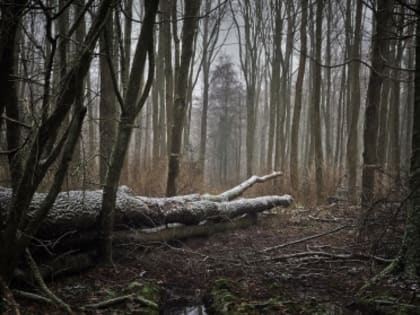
76	211
379	47
409	260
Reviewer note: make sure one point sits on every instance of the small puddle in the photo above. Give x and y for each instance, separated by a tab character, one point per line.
187	310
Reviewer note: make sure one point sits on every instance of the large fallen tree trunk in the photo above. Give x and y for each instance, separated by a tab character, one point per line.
75	212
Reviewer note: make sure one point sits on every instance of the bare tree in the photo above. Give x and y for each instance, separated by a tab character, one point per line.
250	53
211	29
181	84
294	153
107	106
130	107
316	122
38	157
354	81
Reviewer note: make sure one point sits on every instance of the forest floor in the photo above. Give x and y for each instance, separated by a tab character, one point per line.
234	273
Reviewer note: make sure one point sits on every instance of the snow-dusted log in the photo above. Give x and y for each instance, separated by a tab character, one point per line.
76	211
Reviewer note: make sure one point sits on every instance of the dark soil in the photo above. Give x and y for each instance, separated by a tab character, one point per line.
317	272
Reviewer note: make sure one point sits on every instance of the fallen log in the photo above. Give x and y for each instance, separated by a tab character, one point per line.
76	211
71	223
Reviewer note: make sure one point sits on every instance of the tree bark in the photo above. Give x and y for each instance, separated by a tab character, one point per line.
75	212
107	105
370	158
353	135
316	123
133	103
409	258
180	105
294	152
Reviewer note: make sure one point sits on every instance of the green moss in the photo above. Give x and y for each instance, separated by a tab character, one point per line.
146	296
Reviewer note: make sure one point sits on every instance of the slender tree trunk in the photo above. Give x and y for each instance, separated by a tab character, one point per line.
107	106
294	152
169	86
316	122
126	52
188	31
133	103
327	91
353	136
275	82
394	110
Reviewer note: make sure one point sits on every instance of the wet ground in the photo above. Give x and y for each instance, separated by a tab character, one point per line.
294	261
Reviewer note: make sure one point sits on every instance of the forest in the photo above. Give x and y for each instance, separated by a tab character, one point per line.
209	157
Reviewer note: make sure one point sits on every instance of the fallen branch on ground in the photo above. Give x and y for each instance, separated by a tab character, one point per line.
122	299
269	249
32	296
321	254
40	281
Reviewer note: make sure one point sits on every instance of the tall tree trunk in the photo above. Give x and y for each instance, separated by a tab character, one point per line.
126	52
10	20
133	103
167	51
188	31
206	86
353	136
107	106
394	110
275	82
409	258
294	151
316	122
379	47
327	91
